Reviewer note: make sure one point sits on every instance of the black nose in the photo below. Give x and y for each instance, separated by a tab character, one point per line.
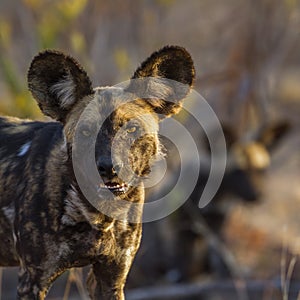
107	169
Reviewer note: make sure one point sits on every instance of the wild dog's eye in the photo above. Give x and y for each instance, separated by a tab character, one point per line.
86	132
131	129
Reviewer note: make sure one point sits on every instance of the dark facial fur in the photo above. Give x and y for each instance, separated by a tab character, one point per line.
46	222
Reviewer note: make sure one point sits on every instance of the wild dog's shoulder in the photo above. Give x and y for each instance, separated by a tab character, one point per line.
13	125
7	122
18	134
12	120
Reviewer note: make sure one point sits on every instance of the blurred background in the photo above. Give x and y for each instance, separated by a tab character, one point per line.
247	60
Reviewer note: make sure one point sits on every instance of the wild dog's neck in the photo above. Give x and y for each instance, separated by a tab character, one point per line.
79	209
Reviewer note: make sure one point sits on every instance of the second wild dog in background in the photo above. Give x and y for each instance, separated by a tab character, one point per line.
186	244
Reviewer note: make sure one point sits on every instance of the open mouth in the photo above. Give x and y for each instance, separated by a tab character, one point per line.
114	187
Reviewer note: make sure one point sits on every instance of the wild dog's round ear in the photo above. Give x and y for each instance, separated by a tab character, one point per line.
57	82
164	79
272	134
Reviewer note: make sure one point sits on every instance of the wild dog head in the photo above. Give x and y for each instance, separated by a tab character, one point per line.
123	119
249	157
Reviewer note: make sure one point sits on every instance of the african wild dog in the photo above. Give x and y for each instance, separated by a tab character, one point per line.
47	225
